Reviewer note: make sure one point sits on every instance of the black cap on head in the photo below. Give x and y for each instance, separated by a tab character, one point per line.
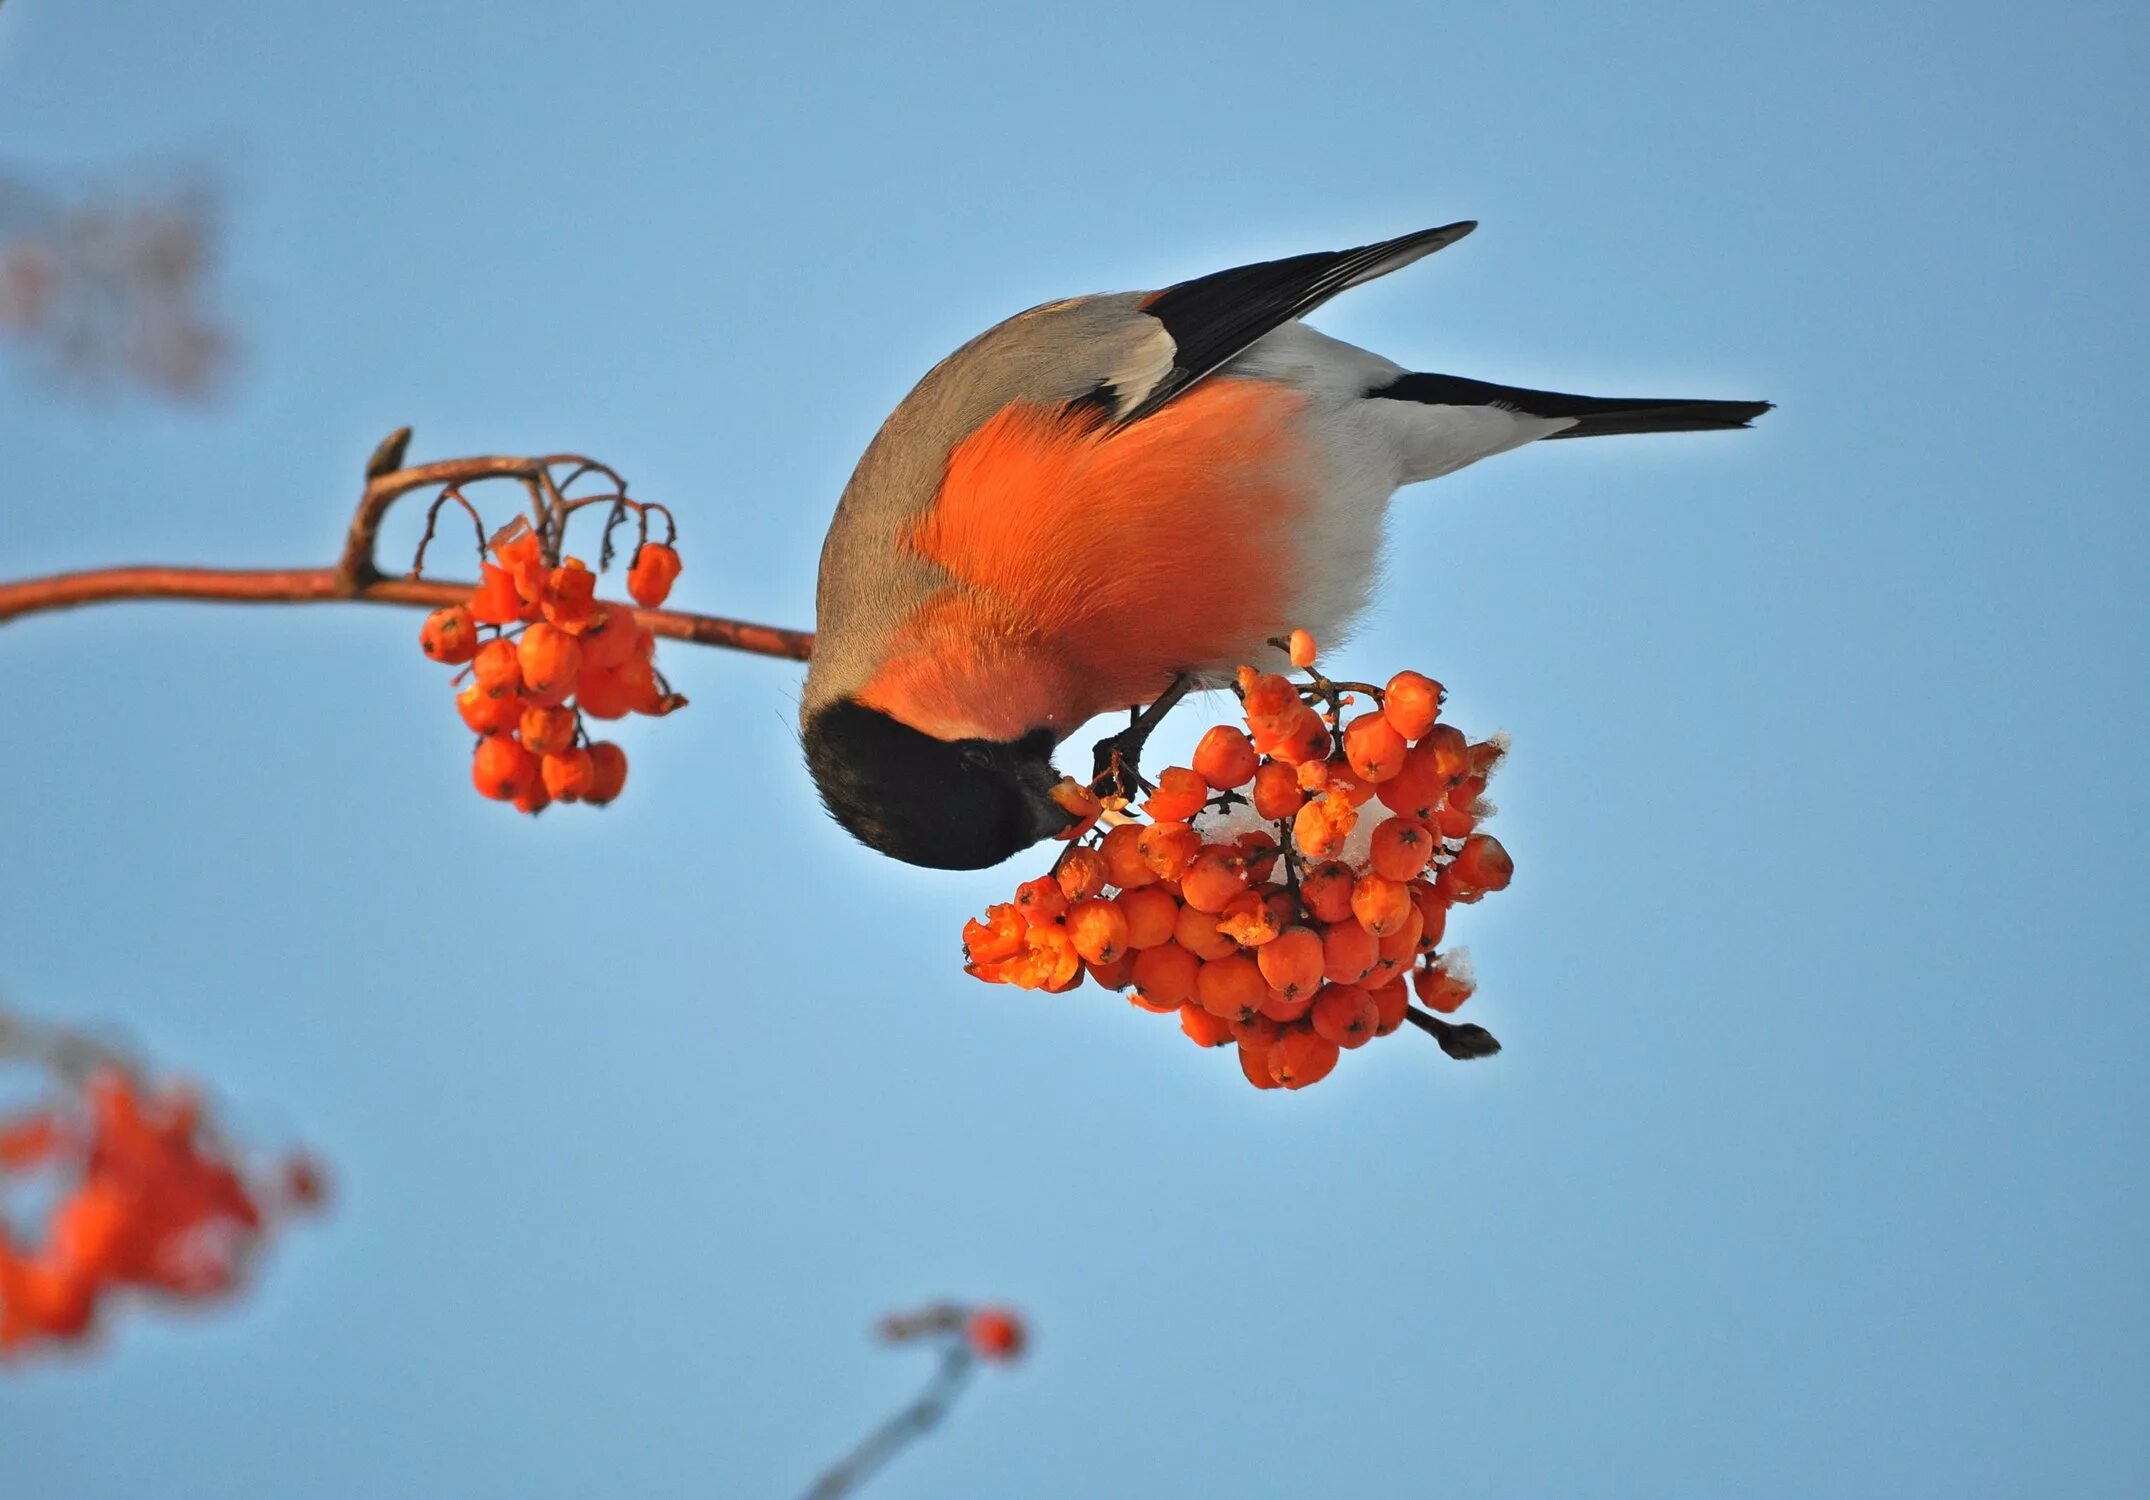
946	804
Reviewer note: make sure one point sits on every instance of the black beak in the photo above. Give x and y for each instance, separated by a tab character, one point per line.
1046	817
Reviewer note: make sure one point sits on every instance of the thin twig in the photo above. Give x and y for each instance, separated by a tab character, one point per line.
357	576
30	596
914	1420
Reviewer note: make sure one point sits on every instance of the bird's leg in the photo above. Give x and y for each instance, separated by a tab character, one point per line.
1462	1042
1117	770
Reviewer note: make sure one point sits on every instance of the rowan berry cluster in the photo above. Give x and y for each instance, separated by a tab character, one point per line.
544	655
145	1198
1288	892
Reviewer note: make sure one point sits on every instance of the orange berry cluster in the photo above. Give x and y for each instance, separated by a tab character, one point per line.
1288	892
544	655
147	1201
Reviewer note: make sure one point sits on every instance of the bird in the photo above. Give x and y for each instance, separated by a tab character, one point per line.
1107	499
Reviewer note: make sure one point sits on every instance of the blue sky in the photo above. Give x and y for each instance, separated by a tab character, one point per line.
1814	1164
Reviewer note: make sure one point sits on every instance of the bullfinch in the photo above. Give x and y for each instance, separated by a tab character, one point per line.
1105	499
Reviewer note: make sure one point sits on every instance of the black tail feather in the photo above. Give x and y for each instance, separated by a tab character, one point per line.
1595	416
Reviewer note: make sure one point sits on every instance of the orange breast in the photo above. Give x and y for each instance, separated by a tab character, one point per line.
1101	561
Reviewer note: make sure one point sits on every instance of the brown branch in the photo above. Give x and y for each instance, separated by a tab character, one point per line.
357	578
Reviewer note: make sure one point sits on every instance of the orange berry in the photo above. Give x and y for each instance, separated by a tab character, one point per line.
1483	864
568	774
1166	973
1196	931
1441	989
1248	921
1312	775
1323	825
1081	872
1079	803
1391	1001
1156	1007
1203	1028
1180	795
1041	900
996	937
1374	748
495	601
1380	904
487	714
449	635
1257	1030
502	769
1225	758
1401	847
1326	890
610	637
1450	824
1411	702
1300	1058
1118	974
1268	700
551	659
1301	649
1486	758
649	580
1464	795
995	1333
1098	929
608	772
1124	865
601	693
1447	751
497	668
1276	791
1285	1009
1398	948
534	798
1230	987
546	730
1217	875
525	563
1260	850
1348	952
1301	738
570	596
1293	962
1254	1062
1433	915
1350	785
1051	963
1169	848
1417	790
1345	1014
1152	915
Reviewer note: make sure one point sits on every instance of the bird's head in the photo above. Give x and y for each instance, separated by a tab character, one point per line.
946	804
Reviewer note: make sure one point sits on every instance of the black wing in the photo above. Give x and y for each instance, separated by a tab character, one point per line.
1214	317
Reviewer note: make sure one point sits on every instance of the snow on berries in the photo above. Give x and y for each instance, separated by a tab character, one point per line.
1289	891
542	655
